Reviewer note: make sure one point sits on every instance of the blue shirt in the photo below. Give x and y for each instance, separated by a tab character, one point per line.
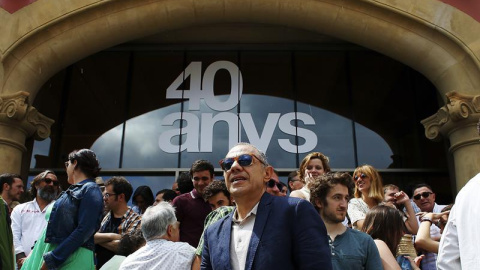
354	250
74	219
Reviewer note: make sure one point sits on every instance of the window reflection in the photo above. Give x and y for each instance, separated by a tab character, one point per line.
40	152
324	90
372	149
269	129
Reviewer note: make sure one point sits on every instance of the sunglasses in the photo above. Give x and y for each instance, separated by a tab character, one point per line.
271	184
48	181
425	194
356	178
242	160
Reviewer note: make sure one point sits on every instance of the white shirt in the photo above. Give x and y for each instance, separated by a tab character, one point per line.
160	254
240	238
357	210
461	237
28	222
429	262
114	263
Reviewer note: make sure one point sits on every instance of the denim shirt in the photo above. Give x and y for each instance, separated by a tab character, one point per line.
74	219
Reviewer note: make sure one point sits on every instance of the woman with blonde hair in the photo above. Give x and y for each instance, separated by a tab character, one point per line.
312	166
368	193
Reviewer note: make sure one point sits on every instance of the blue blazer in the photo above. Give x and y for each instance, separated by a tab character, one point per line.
288	234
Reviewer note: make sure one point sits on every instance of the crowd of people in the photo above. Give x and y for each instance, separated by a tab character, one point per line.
248	220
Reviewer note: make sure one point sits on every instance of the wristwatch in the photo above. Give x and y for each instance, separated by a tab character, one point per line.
426	219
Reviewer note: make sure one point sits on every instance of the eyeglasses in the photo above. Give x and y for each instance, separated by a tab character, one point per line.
242	160
425	195
48	181
359	176
107	195
272	183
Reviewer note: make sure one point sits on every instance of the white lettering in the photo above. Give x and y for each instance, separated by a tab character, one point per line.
236	87
198	135
263	140
194	94
284	124
190	130
208	123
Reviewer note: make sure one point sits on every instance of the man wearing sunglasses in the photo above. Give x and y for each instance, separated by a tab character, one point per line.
264	231
274	186
424	199
28	219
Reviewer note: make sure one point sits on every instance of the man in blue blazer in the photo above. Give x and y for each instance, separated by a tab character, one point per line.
264	231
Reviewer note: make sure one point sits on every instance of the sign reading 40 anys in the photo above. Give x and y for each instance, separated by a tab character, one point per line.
199	129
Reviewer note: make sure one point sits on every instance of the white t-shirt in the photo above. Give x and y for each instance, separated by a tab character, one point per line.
28	222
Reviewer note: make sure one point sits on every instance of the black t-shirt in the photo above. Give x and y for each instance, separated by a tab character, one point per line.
103	254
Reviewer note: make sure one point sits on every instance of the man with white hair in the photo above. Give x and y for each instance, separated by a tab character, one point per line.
162	251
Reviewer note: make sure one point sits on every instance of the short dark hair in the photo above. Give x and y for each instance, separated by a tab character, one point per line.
184	182
147	194
290	178
168	194
120	185
130	243
8	179
200	166
40	177
214	188
321	185
420	186
87	162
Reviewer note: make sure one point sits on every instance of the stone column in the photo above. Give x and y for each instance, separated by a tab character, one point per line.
19	121
457	121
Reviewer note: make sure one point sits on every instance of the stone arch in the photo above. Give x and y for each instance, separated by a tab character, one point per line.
434	38
410	34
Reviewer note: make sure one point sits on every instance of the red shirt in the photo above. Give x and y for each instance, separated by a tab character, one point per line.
191	211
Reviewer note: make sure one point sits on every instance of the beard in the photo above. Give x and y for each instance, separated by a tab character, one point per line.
48	193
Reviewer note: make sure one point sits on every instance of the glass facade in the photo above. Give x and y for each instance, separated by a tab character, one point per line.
157	111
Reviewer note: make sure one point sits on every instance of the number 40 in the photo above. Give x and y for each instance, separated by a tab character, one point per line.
203	89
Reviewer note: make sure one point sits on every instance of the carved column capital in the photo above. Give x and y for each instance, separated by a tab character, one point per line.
15	112
459	112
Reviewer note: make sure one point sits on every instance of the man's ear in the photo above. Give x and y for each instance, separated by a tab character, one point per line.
268	173
318	203
6	187
122	196
169	230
